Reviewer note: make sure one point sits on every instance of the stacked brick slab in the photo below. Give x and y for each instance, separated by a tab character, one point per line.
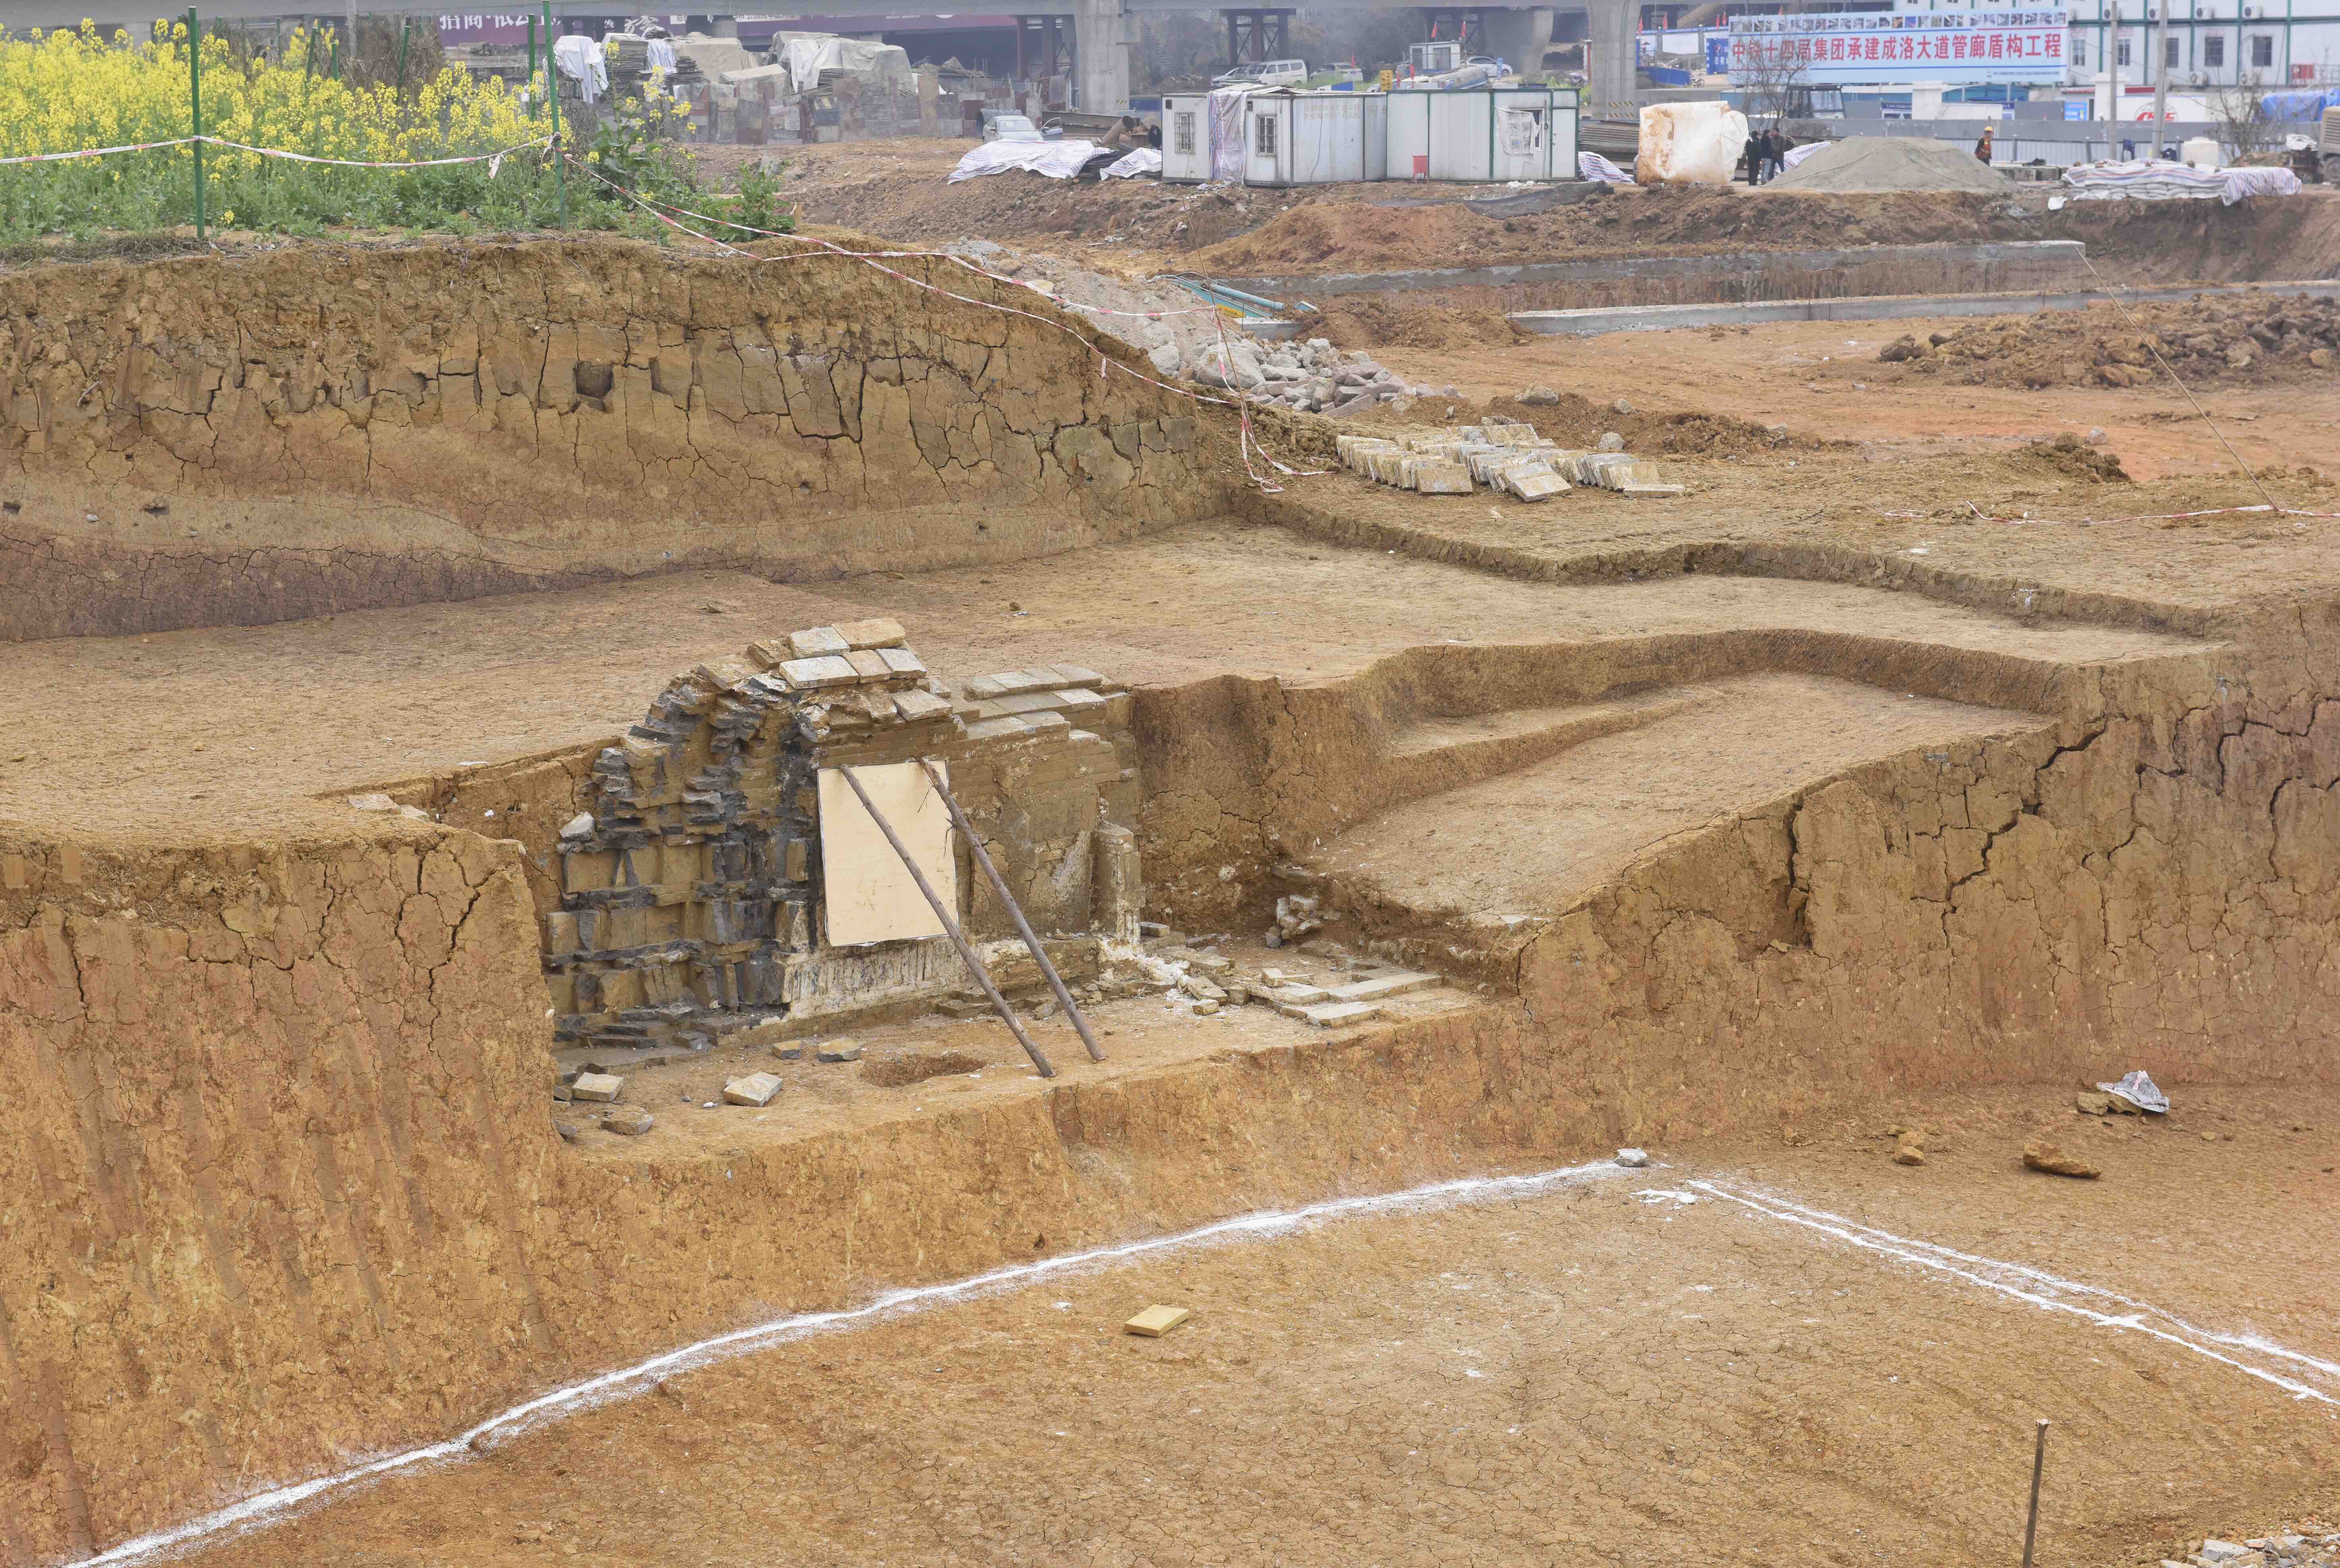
690	895
1511	459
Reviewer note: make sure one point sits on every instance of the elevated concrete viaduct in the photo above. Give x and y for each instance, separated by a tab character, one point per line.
1103	31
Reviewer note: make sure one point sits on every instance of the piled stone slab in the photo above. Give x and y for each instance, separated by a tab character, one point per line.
1511	459
690	901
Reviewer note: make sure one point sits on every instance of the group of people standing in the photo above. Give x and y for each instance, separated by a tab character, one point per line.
1765	149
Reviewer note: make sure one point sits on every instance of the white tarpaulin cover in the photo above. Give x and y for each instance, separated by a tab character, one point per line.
1144	161
579	59
1227	134
2158	179
807	56
1794	155
1058	159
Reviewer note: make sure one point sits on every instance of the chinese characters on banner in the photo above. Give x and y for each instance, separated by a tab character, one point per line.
484	27
1954	47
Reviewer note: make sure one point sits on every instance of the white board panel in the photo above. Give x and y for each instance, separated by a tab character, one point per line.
868	896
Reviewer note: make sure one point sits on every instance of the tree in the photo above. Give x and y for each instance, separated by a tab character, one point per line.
2239	109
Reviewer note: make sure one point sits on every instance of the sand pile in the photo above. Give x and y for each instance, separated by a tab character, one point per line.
1892	164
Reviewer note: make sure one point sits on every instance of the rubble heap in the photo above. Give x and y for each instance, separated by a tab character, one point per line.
1313	377
1509	458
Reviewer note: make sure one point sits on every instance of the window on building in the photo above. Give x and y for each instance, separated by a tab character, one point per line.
1263	136
2262	51
1184	132
2077	49
2169	55
2213	52
2123	52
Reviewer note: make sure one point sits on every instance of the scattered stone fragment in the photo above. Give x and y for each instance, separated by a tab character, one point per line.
1610	442
2093	1105
1633	1159
596	1087
2041	1155
1621	406
567	1131
1537	397
1201	989
579	826
755	1089
1910	1150
375	802
839	1051
1206	1009
629	1121
1157	1320
1380	987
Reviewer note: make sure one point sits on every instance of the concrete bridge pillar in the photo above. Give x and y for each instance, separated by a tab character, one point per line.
1102	34
1519	38
1609	90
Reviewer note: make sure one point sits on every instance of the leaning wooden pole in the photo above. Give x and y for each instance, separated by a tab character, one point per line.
1023	926
957	937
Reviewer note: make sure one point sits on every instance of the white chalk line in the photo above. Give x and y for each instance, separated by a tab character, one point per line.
1995	1275
266	1507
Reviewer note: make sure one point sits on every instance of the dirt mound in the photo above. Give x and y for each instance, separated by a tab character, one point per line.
1876	163
2238	340
2068	456
1410	321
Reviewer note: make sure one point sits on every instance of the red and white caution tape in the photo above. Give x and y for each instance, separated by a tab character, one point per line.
276	153
97	151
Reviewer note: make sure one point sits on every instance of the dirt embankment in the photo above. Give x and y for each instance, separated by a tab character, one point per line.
213	440
2206	341
898	188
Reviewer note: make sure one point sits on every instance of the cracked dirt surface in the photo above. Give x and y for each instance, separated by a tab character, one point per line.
1587	1376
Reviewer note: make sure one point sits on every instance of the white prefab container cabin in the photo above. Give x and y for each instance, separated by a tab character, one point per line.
1482	134
1185	138
1315	138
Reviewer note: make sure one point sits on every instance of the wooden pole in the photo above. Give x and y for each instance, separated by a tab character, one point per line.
195	108
2031	1525
958	938
1023	926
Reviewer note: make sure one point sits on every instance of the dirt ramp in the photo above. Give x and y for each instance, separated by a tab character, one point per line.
235	440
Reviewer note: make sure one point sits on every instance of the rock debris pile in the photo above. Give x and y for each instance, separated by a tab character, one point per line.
2203	340
1312	377
2281	1551
1509	458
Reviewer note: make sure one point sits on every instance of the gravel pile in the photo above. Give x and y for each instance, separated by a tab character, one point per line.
1892	164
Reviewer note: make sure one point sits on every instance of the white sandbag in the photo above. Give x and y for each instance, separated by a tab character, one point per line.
1690	144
